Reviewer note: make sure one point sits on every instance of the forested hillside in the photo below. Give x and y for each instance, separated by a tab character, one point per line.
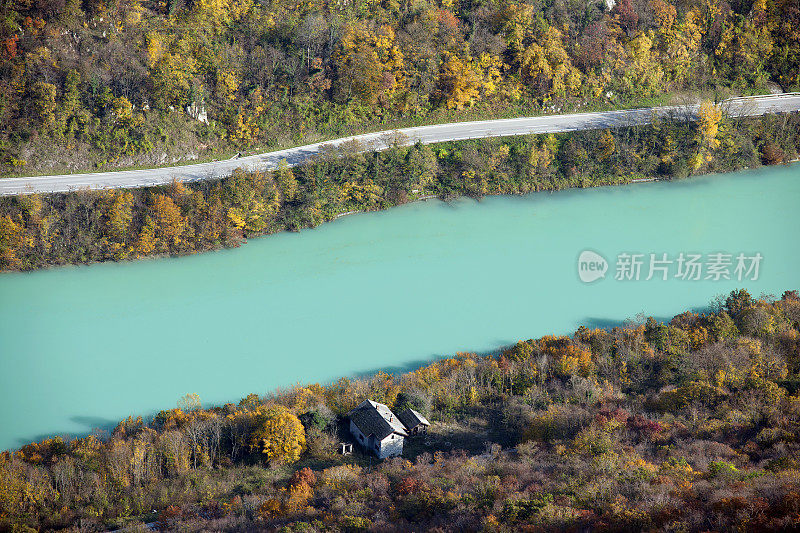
103	83
690	425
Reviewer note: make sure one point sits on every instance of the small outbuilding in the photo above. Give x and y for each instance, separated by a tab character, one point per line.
345	448
377	429
415	423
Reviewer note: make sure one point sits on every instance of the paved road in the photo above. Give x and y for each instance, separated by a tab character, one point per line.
749	106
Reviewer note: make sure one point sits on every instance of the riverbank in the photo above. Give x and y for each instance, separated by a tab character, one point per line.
546	434
420	199
38	231
131	337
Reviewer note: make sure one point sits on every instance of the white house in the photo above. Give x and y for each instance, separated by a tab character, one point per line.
377	429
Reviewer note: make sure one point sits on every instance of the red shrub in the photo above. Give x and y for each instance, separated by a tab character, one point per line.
304	475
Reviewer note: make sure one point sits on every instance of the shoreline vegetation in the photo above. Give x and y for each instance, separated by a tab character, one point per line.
105	84
648	426
38	231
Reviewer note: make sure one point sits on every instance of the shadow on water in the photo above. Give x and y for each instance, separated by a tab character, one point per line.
90	424
93	424
592	322
410	366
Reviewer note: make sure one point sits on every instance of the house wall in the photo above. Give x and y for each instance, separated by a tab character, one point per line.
360	437
390	447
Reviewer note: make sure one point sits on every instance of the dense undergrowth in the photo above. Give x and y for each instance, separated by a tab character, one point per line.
690	425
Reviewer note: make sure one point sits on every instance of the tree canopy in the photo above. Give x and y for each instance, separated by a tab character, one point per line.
142	82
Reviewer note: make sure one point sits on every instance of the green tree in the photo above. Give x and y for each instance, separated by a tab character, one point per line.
172	77
43	96
743	52
286	181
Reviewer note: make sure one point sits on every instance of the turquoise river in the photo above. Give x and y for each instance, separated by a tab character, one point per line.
82	347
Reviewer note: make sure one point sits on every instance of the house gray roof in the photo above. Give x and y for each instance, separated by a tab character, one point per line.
411	419
373	418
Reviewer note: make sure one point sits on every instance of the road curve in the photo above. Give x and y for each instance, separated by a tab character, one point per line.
736	107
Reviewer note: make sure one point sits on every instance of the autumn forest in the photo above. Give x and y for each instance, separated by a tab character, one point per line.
87	84
683	424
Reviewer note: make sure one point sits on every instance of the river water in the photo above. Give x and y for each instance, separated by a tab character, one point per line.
82	347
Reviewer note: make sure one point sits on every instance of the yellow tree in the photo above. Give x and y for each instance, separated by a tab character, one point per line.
679	42
253	199
785	17
118	213
155	48
166	223
542	155
642	75
279	435
146	241
605	146
370	64
242	121
665	14
23	490
463	79
458	83
569	358
227	83
189	402
709	117
117	210
217	14
538	51
71	117
517	26
11	240
12	487
546	66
